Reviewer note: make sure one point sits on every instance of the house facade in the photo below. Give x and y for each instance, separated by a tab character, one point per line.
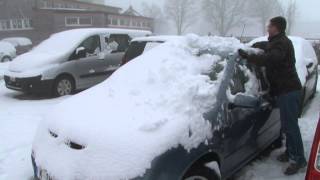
38	19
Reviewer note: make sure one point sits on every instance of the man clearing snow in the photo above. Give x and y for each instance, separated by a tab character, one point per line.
279	60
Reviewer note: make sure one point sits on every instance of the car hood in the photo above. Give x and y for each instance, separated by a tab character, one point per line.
34	60
149	106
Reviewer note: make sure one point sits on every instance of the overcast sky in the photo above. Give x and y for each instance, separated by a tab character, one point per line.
307	24
309	10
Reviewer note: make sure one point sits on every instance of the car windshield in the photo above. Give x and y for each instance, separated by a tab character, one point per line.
63	42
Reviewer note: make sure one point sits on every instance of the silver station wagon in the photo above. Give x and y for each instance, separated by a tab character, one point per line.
69	61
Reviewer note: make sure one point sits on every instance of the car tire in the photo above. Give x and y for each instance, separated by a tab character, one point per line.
6	59
63	86
201	172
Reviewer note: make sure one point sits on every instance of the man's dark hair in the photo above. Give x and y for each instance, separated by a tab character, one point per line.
279	22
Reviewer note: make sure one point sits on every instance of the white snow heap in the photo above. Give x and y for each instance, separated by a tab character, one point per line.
153	104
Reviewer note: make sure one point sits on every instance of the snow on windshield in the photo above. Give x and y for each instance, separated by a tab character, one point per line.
62	42
154	103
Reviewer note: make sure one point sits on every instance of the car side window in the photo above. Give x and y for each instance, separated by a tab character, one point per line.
90	47
121	40
263	80
238	81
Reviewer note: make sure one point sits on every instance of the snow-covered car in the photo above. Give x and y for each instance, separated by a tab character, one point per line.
313	171
307	65
22	44
141	45
71	60
184	110
7	52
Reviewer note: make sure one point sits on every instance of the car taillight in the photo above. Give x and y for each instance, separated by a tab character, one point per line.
313	172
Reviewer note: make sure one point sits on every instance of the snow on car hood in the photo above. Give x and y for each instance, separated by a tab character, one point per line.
154	103
304	53
29	63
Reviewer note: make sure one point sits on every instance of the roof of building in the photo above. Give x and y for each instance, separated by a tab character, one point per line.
131	12
92	3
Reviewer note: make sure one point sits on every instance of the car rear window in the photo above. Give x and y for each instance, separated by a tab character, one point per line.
135	49
151	45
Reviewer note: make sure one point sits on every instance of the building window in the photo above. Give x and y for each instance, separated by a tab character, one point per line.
16	24
122	22
115	22
78	21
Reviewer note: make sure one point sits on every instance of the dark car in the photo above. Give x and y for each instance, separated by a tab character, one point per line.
242	123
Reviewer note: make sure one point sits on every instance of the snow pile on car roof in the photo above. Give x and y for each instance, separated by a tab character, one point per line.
18	41
154	103
304	53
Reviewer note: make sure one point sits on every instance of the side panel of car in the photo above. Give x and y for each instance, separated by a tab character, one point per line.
249	129
311	81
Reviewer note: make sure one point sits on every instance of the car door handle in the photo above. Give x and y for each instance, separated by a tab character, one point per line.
91	71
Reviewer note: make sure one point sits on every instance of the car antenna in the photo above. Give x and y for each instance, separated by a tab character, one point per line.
242	33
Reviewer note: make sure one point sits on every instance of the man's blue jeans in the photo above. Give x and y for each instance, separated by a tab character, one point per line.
289	105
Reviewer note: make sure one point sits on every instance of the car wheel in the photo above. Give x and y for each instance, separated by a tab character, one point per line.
5	59
63	86
201	172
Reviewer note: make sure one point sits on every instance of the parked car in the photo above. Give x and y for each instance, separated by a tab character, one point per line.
313	172
7	52
71	60
184	110
22	44
141	45
307	65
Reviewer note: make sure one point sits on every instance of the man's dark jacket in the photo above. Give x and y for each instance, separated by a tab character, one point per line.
279	60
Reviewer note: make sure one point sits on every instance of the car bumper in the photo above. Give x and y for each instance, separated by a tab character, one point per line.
29	85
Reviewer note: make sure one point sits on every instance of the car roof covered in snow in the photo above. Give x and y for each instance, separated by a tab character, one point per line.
68	40
18	41
156	38
304	53
144	109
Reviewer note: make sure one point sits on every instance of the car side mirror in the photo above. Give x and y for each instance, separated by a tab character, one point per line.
310	65
244	101
80	52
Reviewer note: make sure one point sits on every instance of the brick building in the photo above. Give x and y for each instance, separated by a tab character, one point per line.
38	19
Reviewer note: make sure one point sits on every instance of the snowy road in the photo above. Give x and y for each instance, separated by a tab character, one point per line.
20	115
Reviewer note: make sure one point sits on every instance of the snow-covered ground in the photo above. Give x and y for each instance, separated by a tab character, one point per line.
20	115
19	118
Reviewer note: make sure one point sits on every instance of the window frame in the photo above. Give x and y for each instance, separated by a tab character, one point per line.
78	21
16	24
